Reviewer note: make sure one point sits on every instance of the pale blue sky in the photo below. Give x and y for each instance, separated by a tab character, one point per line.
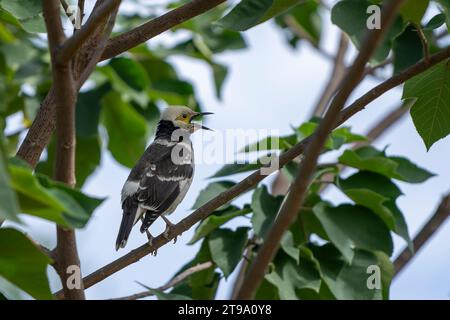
269	86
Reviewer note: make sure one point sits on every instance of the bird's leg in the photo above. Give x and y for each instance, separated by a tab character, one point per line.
167	230
149	236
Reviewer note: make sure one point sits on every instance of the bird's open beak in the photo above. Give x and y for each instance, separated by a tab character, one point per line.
201	114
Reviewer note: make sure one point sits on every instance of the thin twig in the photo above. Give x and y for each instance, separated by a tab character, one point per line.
294	200
254	178
425	234
423	39
371	70
176	280
335	78
152	28
81	10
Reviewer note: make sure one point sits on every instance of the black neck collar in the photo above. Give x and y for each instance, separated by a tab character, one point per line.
165	129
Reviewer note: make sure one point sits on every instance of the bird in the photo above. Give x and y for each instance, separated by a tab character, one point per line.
162	176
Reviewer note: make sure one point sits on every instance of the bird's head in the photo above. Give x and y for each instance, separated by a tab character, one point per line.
182	117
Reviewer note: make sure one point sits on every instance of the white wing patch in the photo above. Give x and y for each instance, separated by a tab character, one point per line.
129	188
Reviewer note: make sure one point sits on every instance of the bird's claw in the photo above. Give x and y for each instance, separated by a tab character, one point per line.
150	238
166	232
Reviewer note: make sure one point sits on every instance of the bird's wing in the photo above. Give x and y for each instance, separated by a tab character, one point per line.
160	182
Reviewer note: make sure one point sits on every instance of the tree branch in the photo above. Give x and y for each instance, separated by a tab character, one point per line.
254	178
147	31
290	208
335	79
176	280
75	42
66	250
425	234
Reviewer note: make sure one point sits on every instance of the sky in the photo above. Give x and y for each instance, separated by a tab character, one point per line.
270	87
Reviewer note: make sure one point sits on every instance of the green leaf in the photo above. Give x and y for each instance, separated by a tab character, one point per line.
289	247
41	197
127	92
372	191
235	168
249	13
267	291
370	159
445	6
400	224
414	10
203	284
214	221
23	264
307	17
431	111
289	277
34	24
377	193
127	129
227	248
271	143
87	158
9	207
435	22
211	191
347	281
352	281
22	9
131	73
26	14
351	16
88	110
387	272
350	227
407	49
337	138
220	73
265	209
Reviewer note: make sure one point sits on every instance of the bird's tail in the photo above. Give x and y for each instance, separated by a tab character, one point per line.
128	219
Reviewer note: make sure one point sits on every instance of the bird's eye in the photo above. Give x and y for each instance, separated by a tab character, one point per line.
184	116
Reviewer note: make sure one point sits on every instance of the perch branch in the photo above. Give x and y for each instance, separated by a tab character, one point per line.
425	234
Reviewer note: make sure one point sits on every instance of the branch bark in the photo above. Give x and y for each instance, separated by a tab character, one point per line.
290	208
254	178
41	130
71	46
425	234
147	31
176	280
66	250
